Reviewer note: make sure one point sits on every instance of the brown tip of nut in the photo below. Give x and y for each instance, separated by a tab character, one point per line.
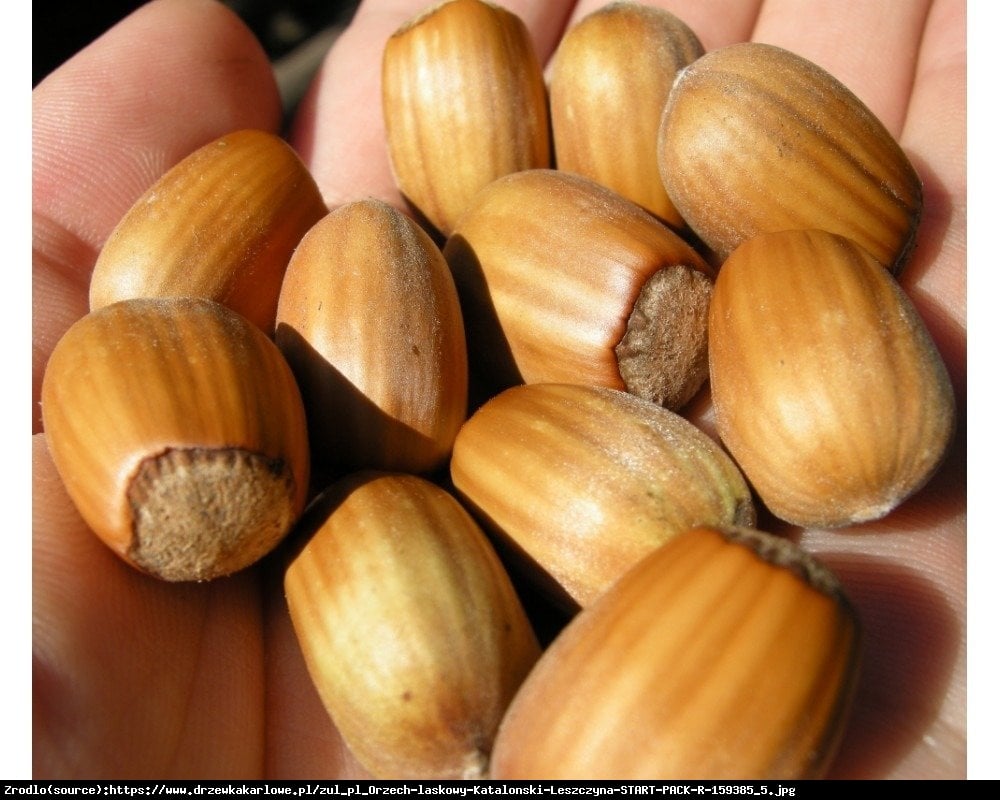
663	355
203	513
785	554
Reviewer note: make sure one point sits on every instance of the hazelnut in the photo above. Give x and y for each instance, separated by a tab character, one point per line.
464	102
580	482
563	280
370	323
221	224
410	627
608	83
755	139
828	390
726	653
180	435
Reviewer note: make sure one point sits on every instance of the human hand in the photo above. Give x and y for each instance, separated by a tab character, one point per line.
135	678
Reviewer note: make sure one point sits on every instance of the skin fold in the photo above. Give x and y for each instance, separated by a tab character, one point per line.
134	678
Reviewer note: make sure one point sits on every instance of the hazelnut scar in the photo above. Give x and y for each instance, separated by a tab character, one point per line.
663	355
199	513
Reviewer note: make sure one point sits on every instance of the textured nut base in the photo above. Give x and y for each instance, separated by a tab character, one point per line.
202	513
663	355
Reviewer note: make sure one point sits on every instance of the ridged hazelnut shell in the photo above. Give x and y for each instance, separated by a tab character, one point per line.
828	389
179	432
608	84
409	625
563	280
580	482
221	224
725	654
755	139
464	102
370	323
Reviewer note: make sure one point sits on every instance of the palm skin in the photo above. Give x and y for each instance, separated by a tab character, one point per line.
134	678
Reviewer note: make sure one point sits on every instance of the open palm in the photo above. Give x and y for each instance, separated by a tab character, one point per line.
135	678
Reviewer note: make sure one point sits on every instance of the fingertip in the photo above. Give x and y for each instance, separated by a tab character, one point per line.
338	128
172	76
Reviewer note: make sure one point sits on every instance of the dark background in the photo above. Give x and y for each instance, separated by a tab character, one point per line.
62	27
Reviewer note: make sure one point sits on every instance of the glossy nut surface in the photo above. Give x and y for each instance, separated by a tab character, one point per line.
608	83
828	390
580	482
755	139
563	280
221	224
724	654
369	320
464	102
410	628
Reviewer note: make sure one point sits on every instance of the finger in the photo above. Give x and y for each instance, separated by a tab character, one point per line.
870	47
171	77
934	135
134	677
339	128
935	123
